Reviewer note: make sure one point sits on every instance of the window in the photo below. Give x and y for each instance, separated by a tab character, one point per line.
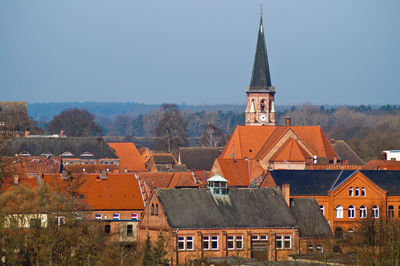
322	209
129	230
98	216
288	242
152	209
189	242
60	220
351	191
181	243
35	223
310	248
239	242
214	242
363	212
116	216
357	191
254	237
206	242
156	209
391	211
320	248
351	212
363	192
398	214
339	211
134	216
107	229
231	242
263	237
375	212
279	242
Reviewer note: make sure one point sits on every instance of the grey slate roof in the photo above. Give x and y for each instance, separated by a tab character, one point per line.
260	77
244	208
199	158
57	145
310	182
346	153
386	180
309	218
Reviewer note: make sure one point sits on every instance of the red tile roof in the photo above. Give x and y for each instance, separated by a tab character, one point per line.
130	157
290	151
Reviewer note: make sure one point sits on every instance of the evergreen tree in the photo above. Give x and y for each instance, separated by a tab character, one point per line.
159	251
147	259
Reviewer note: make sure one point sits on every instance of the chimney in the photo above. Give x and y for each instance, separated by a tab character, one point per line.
286	193
332	141
383	156
334	160
61	132
16	179
288	121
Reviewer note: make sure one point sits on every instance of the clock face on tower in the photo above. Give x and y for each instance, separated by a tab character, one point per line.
263	117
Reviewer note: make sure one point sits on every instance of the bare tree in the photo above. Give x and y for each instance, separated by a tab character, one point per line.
171	128
212	137
75	122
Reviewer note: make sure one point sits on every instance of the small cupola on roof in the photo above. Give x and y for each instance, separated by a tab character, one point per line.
218	185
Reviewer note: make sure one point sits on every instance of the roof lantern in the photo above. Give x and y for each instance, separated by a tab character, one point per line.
218	185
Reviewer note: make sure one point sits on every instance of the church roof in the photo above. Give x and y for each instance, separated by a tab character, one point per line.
260	77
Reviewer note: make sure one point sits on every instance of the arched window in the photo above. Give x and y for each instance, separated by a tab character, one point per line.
338	232
351	191
152	209
363	192
352	212
391	211
357	192
339	211
262	105
351	230
363	212
375	212
322	209
156	209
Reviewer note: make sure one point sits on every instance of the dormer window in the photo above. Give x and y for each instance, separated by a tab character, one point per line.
87	154
24	153
47	154
67	153
218	185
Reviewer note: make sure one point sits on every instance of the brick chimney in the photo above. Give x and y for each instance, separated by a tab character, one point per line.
288	121
286	193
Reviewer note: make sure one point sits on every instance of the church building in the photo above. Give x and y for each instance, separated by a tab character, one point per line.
260	108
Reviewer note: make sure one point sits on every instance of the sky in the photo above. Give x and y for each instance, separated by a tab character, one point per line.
198	52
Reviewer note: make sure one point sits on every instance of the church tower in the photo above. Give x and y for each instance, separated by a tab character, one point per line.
260	108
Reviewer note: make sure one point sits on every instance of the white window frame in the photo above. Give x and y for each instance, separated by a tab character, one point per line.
375	212
391	211
339	211
351	212
238	239
351	191
357	192
263	237
181	240
98	216
134	216
363	192
230	241
206	239
214	239
254	237
287	239
116	216
189	240
279	239
363	212
322	209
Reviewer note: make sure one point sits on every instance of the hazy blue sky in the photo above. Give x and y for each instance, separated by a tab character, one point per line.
198	52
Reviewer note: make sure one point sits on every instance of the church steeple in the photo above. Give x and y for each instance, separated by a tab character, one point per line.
260	108
260	77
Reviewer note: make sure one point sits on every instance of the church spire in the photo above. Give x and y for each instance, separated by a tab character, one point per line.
260	77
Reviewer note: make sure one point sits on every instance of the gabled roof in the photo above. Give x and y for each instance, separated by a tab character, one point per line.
309	218
346	153
244	208
309	182
130	157
254	142
381	165
260	77
386	180
198	158
290	151
36	146
116	192
240	173
164	158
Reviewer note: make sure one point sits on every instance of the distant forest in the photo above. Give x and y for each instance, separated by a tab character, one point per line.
367	129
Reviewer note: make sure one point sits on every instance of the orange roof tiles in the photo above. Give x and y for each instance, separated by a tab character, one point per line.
381	165
255	141
130	157
290	151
